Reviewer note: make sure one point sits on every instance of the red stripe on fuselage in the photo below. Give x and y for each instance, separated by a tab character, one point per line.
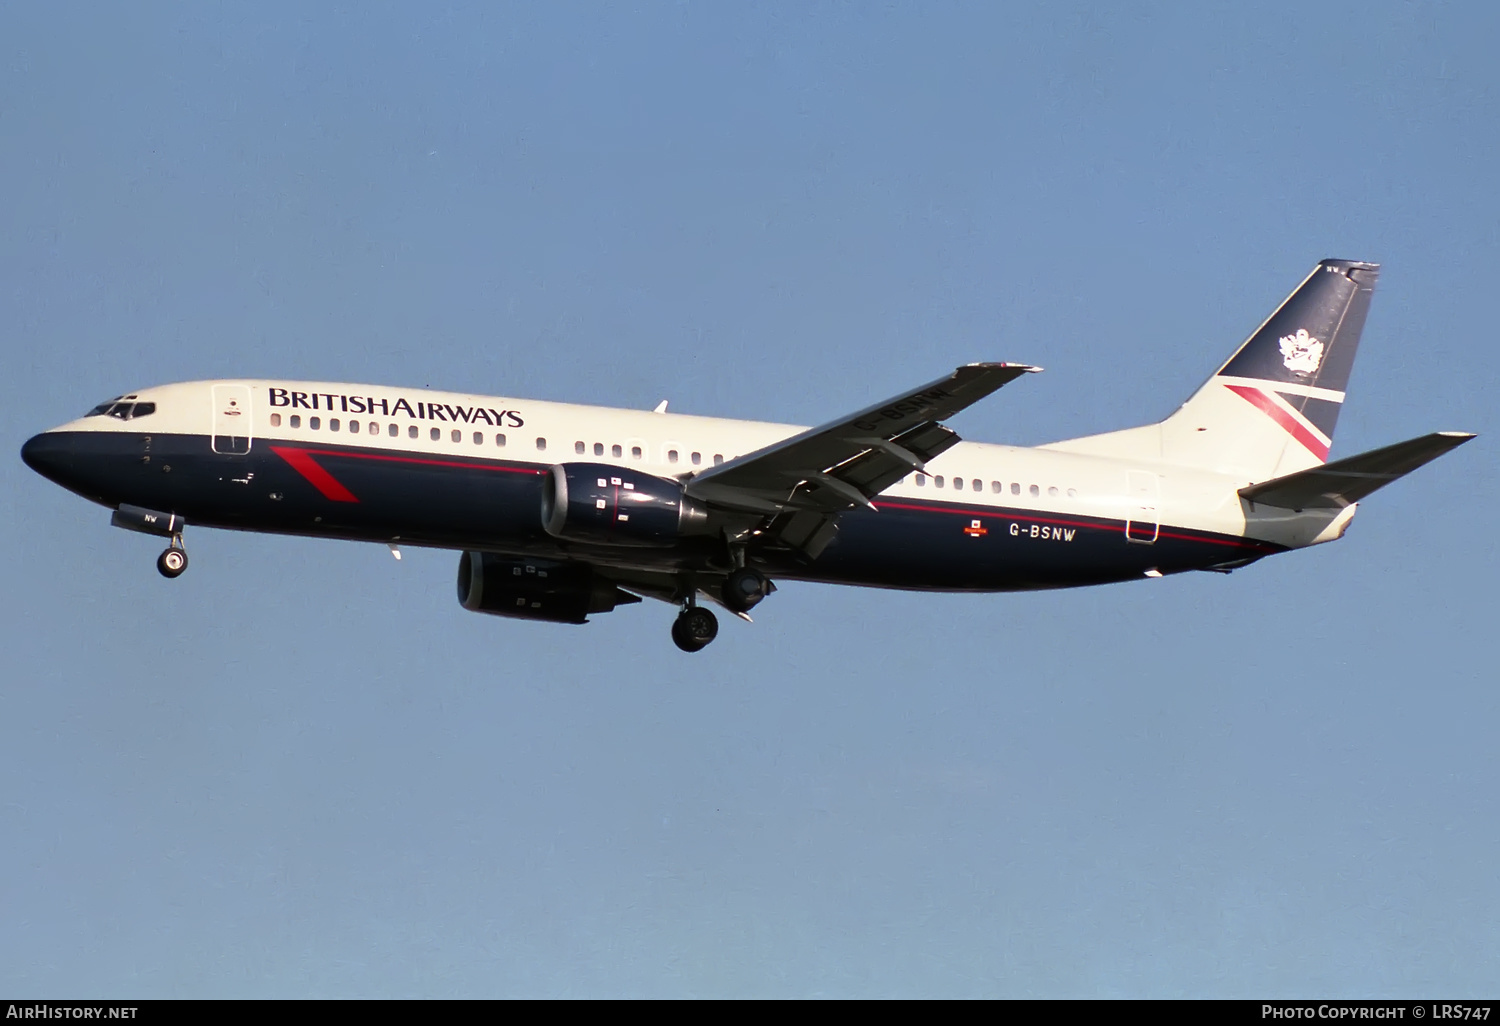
302	462
1268	406
973	511
387	458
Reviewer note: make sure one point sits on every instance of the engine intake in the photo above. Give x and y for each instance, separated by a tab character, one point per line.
611	505
535	589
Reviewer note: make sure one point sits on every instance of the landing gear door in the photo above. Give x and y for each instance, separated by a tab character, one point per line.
1144	496
231	419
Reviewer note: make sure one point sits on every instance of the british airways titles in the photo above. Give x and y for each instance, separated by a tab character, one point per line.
332	401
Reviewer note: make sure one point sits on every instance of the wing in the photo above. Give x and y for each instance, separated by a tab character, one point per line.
807	480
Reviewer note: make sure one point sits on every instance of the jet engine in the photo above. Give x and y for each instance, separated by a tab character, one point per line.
535	589
612	505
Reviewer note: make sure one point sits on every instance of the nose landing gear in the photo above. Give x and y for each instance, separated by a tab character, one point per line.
170	563
173	561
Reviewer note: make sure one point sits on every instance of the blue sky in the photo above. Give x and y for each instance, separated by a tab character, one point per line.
303	770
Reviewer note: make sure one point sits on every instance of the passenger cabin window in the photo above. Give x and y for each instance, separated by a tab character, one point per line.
977	485
578	447
435	434
718	458
1015	488
333	423
937	482
598	448
671	455
456	435
616	451
479	438
635	452
541	443
1035	490
314	423
374	428
354	427
921	480
697	458
394	430
1052	490
500	441
996	487
275	419
411	432
295	420
1072	493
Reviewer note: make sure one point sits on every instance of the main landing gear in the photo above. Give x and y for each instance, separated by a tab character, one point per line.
172	562
694	628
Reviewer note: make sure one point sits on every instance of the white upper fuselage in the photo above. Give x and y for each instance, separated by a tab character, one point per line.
671	445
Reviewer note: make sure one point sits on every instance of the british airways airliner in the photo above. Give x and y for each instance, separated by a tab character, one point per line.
562	511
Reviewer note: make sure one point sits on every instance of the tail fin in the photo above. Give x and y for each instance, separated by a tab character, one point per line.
1271	409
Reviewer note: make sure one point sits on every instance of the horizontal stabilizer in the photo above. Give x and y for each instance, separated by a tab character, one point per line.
1344	482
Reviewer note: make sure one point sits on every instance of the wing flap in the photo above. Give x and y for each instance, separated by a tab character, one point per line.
865	452
1345	482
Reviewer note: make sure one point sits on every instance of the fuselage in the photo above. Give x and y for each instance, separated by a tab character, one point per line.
424	468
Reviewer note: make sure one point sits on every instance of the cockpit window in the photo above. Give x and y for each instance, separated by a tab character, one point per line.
103	408
121	408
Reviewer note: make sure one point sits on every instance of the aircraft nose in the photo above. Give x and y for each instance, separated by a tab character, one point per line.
48	455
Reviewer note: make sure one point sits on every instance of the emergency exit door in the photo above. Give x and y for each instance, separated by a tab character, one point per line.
1143	521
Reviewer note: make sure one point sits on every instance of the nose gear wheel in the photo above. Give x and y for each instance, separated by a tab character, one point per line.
173	561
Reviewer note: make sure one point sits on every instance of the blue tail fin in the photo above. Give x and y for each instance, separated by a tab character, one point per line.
1271	409
1310	341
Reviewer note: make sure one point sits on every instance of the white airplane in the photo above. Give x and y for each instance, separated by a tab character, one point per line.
561	511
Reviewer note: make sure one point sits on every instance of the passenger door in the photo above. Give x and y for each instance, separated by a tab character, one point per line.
231	435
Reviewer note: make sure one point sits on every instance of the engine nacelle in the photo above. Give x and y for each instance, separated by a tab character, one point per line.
535	589
611	505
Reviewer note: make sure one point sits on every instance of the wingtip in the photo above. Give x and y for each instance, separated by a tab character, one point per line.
1462	436
1026	367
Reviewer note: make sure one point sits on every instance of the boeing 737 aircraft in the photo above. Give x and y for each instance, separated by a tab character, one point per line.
561	511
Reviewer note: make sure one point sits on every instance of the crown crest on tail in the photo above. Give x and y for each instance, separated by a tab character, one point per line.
1301	352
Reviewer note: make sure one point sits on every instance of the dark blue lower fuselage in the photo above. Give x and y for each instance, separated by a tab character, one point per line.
459	502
